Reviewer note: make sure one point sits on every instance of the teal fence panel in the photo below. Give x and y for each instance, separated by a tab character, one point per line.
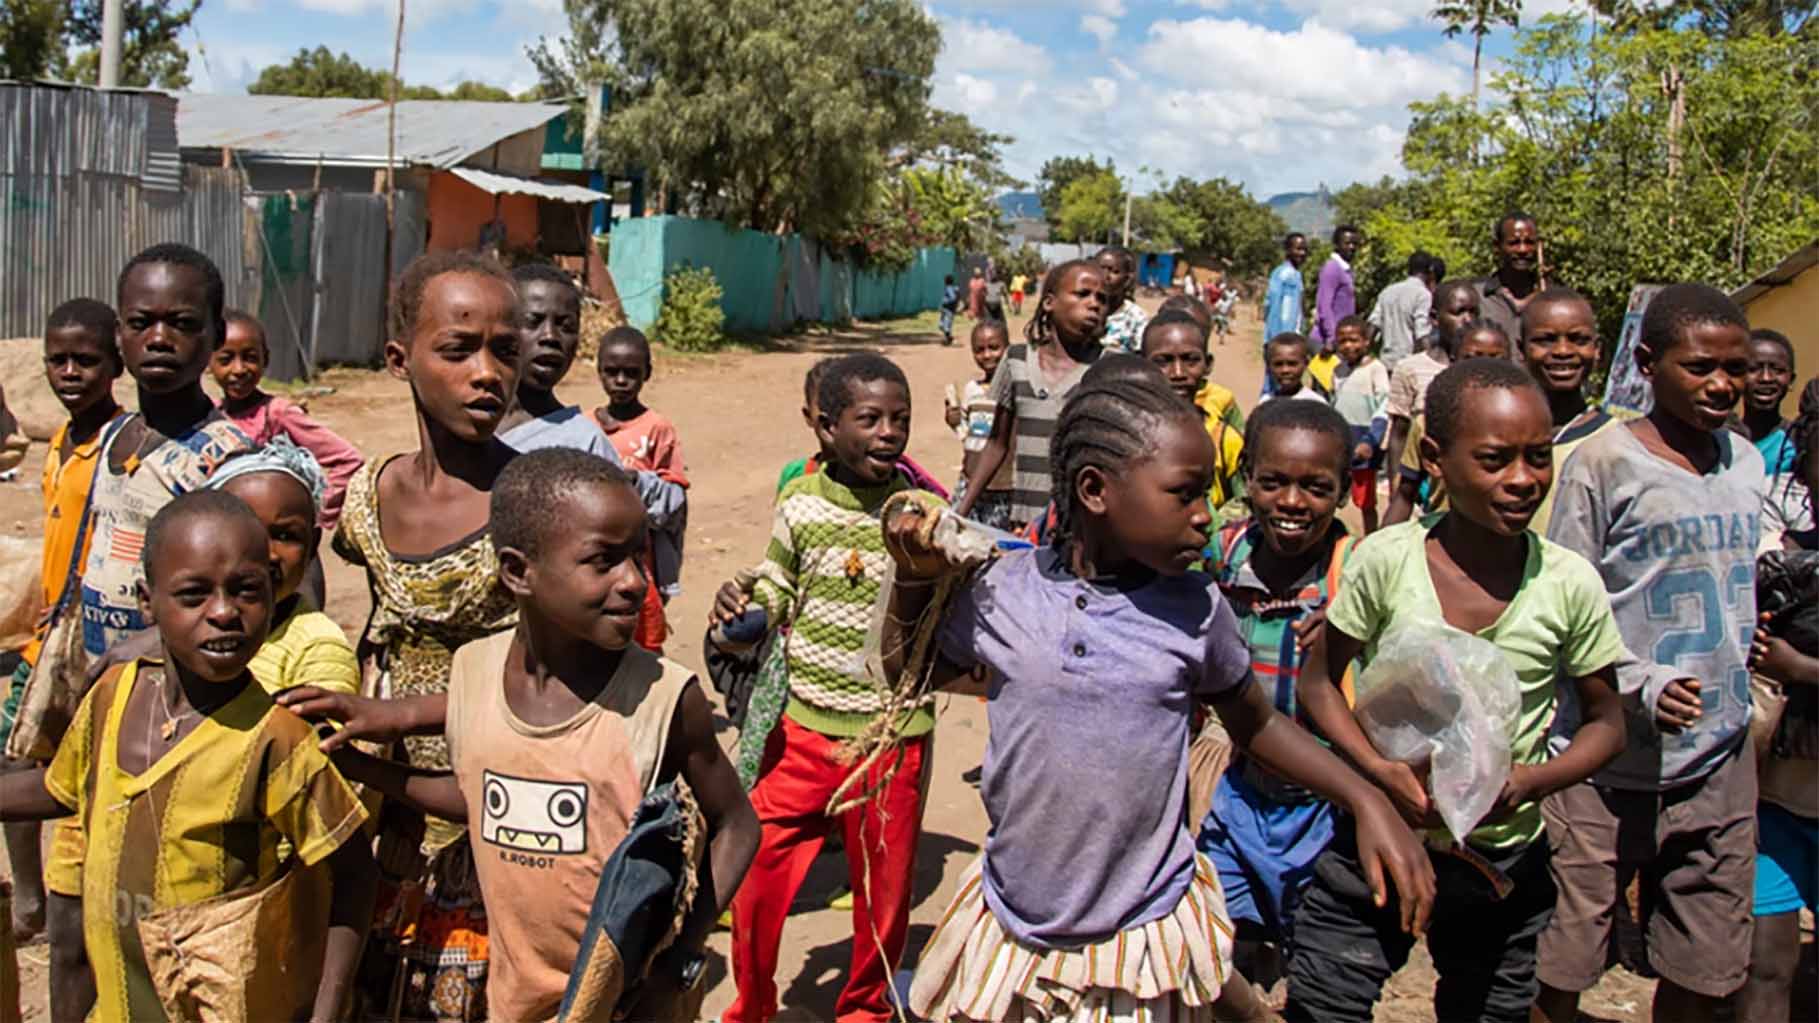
635	259
753	269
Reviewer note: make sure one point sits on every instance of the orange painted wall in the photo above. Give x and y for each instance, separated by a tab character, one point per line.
458	210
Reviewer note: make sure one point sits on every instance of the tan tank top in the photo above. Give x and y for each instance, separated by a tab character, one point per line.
547	805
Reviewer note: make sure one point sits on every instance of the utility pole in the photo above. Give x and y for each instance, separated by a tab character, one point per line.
113	26
1127	219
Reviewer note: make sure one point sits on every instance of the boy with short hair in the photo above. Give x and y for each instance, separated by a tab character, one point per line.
646	442
560	704
1278	570
1668	508
191	785
1477	569
81	363
1285	359
1560	347
1362	389
1455	305
550	329
1176	343
1480	339
822	573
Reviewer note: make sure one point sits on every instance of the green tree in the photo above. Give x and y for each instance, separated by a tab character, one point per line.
1057	173
1091	206
323	73
1480	18
44	38
1219	218
777	116
151	52
320	72
31	38
949	139
1582	135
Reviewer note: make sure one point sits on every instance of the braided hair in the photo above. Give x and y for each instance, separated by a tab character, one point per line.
1040	329
1109	423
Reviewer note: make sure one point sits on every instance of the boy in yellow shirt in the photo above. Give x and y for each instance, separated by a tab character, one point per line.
1176	343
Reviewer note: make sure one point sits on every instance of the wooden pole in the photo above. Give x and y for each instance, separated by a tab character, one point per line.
391	184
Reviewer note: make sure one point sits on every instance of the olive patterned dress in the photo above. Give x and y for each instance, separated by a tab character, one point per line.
425	607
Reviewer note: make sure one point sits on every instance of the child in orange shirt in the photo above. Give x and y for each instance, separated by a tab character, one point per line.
81	363
645	439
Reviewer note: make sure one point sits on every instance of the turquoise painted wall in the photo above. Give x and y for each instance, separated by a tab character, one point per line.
758	294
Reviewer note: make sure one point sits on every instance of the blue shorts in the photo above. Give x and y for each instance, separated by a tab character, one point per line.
1787	860
1264	850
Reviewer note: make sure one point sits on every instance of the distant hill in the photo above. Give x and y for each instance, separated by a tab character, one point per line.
1309	212
1020	205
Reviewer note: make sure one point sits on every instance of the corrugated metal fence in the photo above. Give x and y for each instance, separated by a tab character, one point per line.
87	179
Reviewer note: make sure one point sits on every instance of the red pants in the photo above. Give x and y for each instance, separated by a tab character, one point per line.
798	776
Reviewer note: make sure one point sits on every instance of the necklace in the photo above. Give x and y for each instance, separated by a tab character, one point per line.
169	727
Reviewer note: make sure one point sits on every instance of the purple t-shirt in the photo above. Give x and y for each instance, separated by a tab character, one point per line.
1086	768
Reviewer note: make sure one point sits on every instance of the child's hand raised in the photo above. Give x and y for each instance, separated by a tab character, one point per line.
908	536
376	721
1679	707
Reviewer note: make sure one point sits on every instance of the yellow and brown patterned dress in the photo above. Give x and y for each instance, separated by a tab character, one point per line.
425	607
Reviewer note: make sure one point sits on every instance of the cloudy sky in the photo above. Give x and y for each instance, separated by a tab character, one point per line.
1280	94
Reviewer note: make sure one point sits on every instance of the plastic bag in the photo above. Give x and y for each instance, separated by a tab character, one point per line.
1433	693
963	542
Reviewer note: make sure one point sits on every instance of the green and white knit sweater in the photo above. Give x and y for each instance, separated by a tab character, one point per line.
825	564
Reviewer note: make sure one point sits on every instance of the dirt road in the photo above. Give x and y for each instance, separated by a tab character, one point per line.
737	416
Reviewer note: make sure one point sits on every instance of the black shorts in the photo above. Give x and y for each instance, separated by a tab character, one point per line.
1483	947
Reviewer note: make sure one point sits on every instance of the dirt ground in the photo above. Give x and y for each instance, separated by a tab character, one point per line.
737	416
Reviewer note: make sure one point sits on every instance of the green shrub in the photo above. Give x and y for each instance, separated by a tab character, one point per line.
691	319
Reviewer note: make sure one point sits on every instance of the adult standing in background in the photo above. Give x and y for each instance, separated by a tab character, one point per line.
1404	310
1282	303
975	295
1519	276
1335	296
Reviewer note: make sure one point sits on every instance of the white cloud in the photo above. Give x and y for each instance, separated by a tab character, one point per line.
1205	96
1373	16
1312	64
1205	5
975	92
1099	27
976	47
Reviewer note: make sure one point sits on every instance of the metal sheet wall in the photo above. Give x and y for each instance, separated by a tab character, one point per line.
74	201
349	321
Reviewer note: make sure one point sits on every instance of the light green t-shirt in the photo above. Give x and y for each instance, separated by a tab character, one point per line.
1559	622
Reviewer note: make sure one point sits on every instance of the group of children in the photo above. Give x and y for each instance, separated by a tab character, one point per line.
463	772
180	572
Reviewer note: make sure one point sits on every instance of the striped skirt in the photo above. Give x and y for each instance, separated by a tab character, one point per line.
1166	970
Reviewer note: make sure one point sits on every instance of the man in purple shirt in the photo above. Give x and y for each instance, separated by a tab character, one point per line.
1334	297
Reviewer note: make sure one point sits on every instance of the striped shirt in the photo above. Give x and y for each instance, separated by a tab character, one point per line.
1036	403
821	575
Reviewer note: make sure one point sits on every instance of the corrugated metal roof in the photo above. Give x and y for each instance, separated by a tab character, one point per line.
506	184
434	133
1798	262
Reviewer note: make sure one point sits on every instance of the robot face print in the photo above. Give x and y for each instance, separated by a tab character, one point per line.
544	817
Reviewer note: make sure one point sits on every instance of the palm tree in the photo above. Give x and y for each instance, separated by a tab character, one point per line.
1477	17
